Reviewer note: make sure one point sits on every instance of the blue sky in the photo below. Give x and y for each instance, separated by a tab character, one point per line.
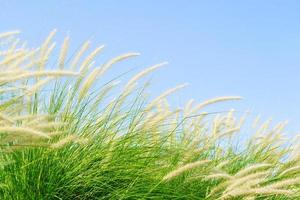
247	48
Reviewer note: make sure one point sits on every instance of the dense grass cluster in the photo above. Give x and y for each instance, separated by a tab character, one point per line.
65	137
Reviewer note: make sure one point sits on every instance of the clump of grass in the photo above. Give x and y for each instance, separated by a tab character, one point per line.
77	142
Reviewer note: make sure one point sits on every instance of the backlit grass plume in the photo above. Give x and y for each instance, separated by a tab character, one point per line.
67	134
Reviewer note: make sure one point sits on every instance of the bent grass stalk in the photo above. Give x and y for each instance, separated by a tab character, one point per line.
184	168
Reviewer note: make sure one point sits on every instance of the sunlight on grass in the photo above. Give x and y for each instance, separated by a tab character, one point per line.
63	139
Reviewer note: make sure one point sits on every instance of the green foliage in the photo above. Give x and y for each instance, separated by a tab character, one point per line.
75	142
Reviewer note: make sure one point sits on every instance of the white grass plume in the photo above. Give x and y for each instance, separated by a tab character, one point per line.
290	170
252	168
188	106
240	192
184	168
36	87
285	183
237	181
6	118
212	101
165	94
79	54
11	58
61	143
45	49
8	34
97	72
133	80
63	53
90	58
49	125
22	131
35	74
218	176
48	40
31	117
228	132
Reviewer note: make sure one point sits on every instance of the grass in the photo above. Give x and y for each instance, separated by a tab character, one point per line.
61	138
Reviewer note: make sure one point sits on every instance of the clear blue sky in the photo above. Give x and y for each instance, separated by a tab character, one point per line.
247	48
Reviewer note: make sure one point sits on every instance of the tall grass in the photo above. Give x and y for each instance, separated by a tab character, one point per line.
61	138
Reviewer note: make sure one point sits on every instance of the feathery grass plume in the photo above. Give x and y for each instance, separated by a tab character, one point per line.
229	118
165	94
47	41
31	117
256	182
158	118
12	89
8	34
7	119
56	133
238	181
242	119
216	126
33	59
263	128
222	164
13	46
10	73
21	131
79	54
256	121
36	87
61	143
188	106
269	191
252	168
284	183
218	176
49	51
90	58
228	132
131	83
15	65
162	105
212	101
250	198
9	59
280	126
185	168
97	72
27	75
63	53
127	147
218	189
255	191
104	91
45	57
49	125
193	153
45	49
290	170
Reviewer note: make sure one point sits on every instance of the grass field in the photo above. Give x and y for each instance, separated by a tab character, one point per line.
66	136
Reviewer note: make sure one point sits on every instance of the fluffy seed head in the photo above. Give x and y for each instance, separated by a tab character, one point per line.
63	53
143	73
212	101
165	94
184	168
